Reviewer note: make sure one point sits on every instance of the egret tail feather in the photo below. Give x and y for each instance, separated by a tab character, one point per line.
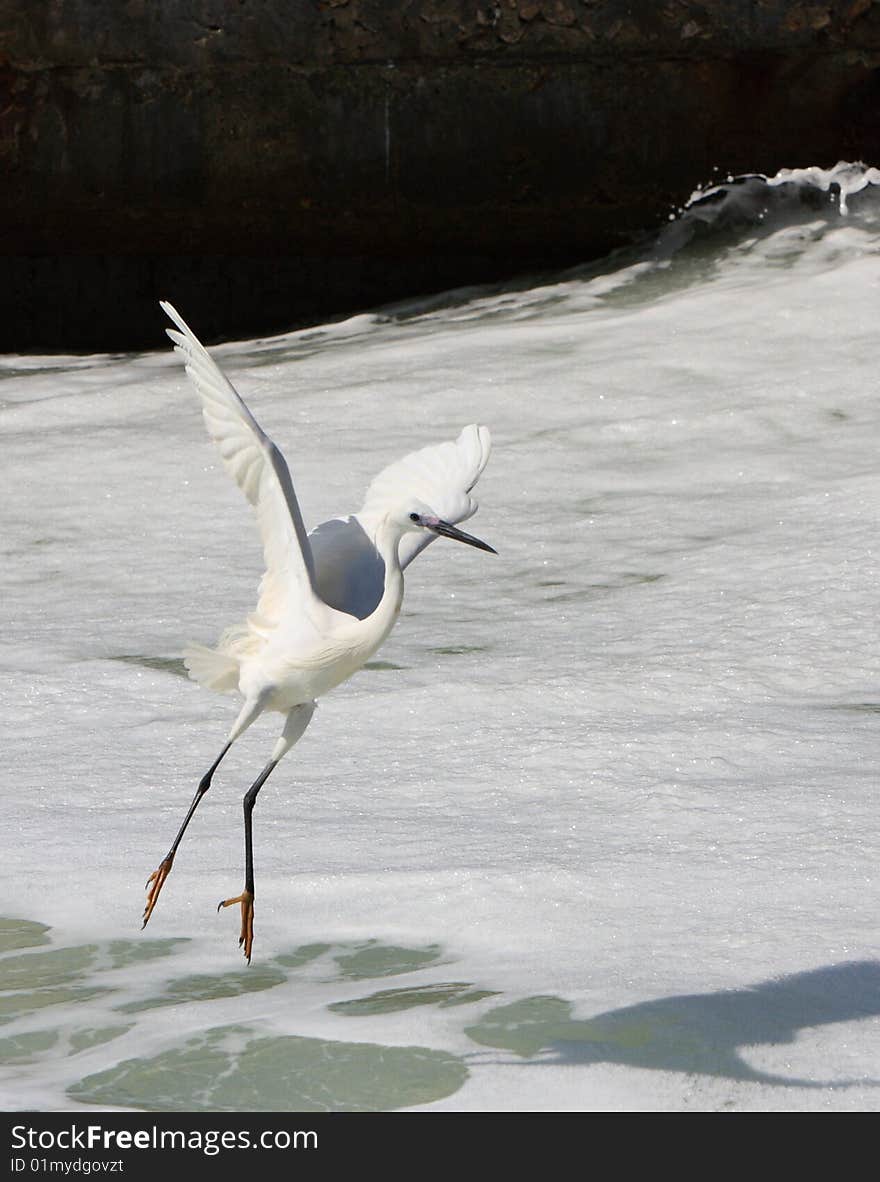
212	669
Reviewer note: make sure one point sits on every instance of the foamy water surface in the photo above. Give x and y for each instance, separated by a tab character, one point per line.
598	828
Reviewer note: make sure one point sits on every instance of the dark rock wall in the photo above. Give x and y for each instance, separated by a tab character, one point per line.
271	162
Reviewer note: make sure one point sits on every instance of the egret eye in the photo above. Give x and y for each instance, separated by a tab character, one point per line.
414	517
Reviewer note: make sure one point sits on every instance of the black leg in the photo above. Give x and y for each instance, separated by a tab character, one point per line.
157	879
246	898
249	801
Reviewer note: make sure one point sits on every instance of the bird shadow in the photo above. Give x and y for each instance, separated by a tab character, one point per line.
701	1033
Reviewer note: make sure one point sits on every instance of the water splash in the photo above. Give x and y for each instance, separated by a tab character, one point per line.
844	180
754	200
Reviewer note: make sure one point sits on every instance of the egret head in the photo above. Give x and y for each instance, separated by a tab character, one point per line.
417	517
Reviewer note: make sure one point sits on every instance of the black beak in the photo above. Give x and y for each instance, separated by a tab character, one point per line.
445	530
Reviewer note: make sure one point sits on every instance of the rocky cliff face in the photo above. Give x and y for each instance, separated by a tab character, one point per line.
270	163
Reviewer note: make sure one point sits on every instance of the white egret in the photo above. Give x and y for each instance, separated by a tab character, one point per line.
329	598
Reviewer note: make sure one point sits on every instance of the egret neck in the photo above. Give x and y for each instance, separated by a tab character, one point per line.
386	534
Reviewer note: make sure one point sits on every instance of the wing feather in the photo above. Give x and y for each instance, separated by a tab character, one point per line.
258	468
441	475
349	571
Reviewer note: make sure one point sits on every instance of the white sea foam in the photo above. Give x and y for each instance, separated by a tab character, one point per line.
599	830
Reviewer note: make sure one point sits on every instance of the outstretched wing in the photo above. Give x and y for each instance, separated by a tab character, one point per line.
440	476
349	571
258	468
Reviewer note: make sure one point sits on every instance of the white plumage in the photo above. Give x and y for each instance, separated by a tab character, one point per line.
328	599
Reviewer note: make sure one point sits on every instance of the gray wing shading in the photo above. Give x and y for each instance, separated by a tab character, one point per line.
349	571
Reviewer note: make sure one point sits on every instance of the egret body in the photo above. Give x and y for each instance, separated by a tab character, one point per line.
327	599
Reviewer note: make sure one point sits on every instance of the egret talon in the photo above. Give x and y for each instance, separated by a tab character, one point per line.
157	879
246	939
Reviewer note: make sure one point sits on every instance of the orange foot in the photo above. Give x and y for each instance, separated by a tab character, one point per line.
154	885
246	939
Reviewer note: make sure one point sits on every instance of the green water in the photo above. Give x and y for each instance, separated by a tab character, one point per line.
228	1069
64	1010
69	996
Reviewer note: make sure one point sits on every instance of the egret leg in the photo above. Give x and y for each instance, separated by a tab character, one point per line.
246	898
156	881
297	721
